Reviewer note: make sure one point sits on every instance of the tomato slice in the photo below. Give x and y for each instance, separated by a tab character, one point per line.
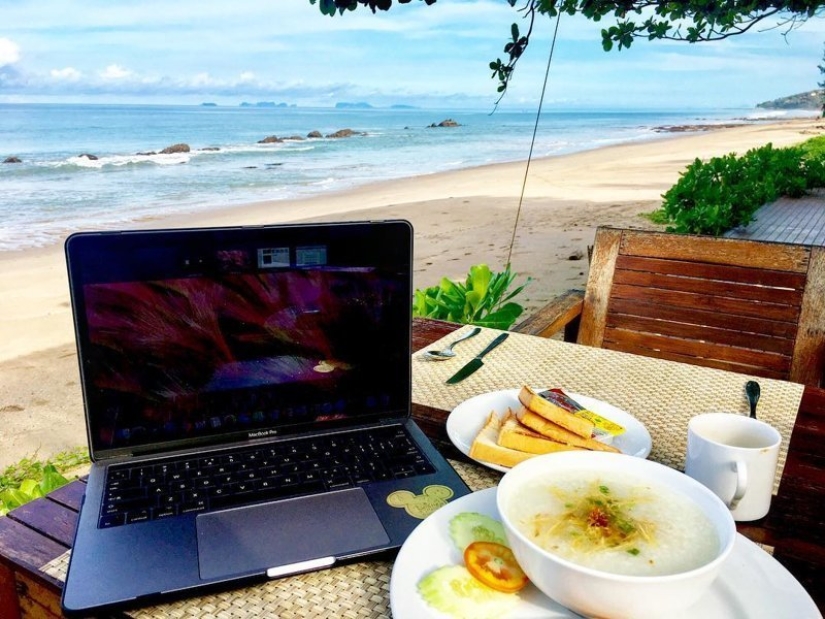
495	565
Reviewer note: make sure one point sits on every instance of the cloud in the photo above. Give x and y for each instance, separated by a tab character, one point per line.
190	50
115	72
69	74
9	52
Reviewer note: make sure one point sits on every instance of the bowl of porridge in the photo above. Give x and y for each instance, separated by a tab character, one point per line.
613	536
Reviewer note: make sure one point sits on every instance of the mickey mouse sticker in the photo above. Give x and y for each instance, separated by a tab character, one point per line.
421	505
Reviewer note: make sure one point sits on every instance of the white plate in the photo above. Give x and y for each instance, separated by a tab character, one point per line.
467	419
751	585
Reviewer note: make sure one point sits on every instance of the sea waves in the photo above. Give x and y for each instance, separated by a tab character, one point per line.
100	167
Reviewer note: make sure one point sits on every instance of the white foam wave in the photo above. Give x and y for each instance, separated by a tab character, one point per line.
780	114
124	160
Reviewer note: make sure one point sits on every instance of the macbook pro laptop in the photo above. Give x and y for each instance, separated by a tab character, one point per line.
247	395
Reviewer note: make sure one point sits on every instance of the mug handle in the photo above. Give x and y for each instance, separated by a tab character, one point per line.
741	470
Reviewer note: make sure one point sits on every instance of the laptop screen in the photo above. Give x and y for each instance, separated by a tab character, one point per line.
190	337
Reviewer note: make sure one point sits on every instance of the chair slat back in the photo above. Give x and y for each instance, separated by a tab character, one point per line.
748	306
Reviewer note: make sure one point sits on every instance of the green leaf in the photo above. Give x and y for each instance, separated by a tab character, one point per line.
52	480
13	498
28	486
479	278
503	318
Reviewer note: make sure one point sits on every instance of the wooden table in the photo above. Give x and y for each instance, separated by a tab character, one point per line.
38	532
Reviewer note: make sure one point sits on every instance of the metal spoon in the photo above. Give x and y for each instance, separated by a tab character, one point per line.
753	390
447	353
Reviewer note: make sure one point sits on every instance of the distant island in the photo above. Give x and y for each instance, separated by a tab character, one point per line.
811	100
209	104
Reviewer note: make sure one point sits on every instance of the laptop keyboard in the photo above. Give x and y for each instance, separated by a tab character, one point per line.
171	487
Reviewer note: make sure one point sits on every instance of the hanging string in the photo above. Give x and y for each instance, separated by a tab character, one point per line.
533	139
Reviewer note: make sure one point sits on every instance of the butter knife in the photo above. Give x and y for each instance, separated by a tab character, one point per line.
476	362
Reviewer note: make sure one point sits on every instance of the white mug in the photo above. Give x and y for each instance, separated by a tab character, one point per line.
735	456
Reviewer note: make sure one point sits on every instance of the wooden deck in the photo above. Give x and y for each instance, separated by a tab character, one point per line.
788	220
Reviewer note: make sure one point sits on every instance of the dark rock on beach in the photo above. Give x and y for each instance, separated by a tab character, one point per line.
175	148
12	160
688	128
211	149
314	134
270	139
89	156
150	153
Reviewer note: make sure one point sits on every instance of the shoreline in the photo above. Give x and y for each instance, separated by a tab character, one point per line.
460	218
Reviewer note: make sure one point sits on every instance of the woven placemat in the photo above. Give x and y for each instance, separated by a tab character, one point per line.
663	395
354	591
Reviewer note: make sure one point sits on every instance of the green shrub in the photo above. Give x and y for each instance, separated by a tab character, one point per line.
483	299
814	147
722	193
30	479
30	489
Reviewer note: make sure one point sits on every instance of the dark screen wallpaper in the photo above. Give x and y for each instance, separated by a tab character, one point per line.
207	355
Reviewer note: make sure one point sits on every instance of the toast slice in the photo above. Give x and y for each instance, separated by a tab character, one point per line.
514	435
485	446
557	433
556	414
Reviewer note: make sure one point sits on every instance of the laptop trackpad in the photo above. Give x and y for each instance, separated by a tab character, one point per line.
253	539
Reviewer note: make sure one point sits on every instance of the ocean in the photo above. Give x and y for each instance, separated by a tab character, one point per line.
100	167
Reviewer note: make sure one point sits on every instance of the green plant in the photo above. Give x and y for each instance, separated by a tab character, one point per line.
30	479
655	217
717	195
814	147
483	299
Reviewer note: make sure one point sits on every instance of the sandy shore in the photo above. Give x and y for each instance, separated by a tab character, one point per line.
461	218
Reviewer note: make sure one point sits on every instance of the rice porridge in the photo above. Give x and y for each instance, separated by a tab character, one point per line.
616	524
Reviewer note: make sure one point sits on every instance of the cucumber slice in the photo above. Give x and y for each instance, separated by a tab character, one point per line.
469	527
453	591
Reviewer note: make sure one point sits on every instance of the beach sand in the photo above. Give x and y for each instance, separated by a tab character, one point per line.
460	218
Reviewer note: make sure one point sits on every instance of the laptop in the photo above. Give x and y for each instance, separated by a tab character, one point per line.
247	394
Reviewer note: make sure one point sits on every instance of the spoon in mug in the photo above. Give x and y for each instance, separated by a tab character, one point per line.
753	391
447	353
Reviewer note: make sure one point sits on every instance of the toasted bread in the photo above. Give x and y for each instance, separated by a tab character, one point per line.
551	412
557	433
517	436
485	446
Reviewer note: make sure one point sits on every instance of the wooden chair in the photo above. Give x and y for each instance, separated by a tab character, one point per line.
748	306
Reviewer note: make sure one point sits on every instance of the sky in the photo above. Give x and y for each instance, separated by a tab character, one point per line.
194	51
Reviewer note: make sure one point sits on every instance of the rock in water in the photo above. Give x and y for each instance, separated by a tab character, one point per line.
175	148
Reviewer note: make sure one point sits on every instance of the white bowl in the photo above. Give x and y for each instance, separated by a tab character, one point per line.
593	592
